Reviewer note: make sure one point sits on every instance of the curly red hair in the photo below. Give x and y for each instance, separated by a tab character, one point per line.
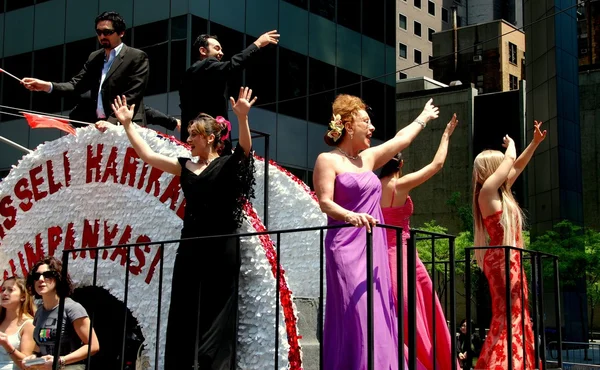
347	106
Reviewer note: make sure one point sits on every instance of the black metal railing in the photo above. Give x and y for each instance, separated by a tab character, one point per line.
536	294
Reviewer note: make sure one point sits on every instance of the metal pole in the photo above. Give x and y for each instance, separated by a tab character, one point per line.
61	311
126	296
558	312
370	322
468	299
540	272
400	295
278	281
321	292
93	313
411	283
160	283
452	293
507	253
266	183
433	315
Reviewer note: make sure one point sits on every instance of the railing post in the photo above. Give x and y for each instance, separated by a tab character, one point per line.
61	311
93	313
277	288
452	293
523	310
125	299
411	295
507	253
370	322
542	312
535	306
321	293
158	313
266	182
468	299
400	296
558	312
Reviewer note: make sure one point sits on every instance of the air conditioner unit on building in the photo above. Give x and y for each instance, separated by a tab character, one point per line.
480	90
477	58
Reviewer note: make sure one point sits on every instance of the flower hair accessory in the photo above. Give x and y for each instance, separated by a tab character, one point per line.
335	128
221	120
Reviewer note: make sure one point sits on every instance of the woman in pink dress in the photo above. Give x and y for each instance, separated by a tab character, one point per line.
397	208
496	211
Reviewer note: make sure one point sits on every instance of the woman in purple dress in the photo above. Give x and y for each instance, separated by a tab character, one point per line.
349	192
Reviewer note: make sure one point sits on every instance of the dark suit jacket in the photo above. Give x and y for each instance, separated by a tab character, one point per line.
204	87
127	76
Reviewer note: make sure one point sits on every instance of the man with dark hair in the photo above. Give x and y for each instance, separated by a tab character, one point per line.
204	85
112	71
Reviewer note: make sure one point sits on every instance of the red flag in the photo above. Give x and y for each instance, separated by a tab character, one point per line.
41	121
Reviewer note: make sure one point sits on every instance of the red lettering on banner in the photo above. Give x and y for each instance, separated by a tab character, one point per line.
153	265
67	168
122	251
13	268
111	166
34	256
92	166
90	237
171	192
109	236
52	186
10	214
24	269
5	275
54	239
129	167
70	240
37	181
140	254
23	193
142	178
155	174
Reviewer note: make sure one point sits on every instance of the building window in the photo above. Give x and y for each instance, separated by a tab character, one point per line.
431	7
418	58
514	82
512	53
402	21
445	15
430	34
417	3
417	28
402	50
402	76
429	62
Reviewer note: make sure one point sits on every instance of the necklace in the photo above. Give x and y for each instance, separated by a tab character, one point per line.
353	157
206	161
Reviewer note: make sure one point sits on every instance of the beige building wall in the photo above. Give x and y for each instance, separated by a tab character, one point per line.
407	36
518	69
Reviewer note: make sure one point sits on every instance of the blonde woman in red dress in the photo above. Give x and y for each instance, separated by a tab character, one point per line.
497	213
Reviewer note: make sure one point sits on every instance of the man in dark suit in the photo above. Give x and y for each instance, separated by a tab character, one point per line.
204	85
114	70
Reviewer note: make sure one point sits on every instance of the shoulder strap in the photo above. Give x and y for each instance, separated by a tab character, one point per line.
393	194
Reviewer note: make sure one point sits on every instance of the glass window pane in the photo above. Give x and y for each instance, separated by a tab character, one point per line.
292	83
431	7
417	3
322	39
261	76
152	39
418	58
261	16
402	50
299	3
390	112
48	66
430	32
76	55
321	77
199	26
373	19
122	7
229	13
390	22
323	8
349	14
17	4
80	20
47	17
149	11
348	82
19	38
417	28
348	47
14	94
178	50
402	21
293	23
373	58
373	96
445	15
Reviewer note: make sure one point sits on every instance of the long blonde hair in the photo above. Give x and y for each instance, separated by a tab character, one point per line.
26	309
512	218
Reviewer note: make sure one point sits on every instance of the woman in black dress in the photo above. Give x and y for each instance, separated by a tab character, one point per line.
203	311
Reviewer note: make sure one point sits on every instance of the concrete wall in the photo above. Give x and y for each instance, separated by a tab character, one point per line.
430	198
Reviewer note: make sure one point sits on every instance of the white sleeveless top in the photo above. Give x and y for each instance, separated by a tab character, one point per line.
6	363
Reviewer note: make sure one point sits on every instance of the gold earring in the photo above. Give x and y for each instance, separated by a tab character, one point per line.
351	135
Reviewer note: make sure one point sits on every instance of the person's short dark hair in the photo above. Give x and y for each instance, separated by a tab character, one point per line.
202	41
391	167
64	288
116	19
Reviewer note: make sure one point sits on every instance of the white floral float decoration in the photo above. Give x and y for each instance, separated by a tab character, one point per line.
91	190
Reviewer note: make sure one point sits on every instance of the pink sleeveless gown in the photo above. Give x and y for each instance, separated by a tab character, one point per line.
400	216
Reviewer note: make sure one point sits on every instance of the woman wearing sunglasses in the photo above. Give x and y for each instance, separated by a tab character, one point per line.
16	327
45	281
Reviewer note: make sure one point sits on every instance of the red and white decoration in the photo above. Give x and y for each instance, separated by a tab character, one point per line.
92	190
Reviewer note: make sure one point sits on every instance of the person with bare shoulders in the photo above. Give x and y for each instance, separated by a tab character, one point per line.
349	192
203	310
496	212
397	207
16	323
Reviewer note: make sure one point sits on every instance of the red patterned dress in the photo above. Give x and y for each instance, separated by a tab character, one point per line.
494	354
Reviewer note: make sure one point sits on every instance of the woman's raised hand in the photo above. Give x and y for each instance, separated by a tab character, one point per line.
430	111
451	125
241	107
538	134
123	113
509	144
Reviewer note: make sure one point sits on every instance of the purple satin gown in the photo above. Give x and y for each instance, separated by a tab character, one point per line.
345	333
